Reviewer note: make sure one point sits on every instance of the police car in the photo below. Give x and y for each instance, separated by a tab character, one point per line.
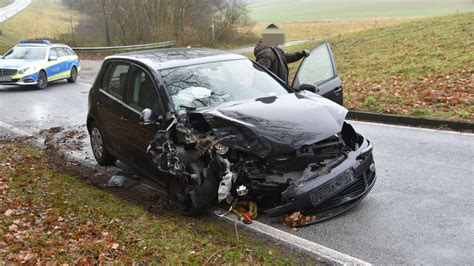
36	63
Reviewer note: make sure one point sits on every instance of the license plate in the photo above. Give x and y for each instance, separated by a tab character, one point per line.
5	79
320	194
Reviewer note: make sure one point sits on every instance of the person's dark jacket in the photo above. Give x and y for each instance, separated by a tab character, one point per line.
274	59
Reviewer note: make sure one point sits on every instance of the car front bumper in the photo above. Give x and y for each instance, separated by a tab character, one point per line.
346	183
21	80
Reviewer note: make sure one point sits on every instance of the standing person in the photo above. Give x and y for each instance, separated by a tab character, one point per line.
272	57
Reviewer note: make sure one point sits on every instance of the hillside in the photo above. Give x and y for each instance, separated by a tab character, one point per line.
4	3
269	11
42	19
423	68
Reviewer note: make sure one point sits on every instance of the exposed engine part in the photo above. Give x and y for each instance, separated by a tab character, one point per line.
242	191
227	180
221	149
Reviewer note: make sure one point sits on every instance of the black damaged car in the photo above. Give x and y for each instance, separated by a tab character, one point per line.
209	126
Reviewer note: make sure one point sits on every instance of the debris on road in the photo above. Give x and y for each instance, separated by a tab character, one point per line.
122	180
297	219
67	140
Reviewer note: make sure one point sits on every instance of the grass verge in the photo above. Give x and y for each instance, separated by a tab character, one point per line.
423	68
49	215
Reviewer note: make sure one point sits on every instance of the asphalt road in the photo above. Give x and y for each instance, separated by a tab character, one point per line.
13	9
420	210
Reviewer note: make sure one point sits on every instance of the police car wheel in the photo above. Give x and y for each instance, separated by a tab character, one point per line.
73	77
42	81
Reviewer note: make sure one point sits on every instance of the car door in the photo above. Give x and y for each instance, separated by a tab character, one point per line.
142	94
111	106
319	70
54	64
62	60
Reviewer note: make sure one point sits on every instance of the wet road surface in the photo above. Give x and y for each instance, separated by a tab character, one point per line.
420	210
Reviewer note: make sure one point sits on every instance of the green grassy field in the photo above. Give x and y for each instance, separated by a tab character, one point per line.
4	3
42	19
267	11
422	68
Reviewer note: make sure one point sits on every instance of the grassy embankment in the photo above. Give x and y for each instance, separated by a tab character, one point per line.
46	19
267	11
423	68
47	215
4	3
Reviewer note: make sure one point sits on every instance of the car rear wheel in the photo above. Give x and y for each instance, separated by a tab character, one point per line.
42	81
73	77
101	154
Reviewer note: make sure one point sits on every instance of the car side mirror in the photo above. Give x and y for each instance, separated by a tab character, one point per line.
309	87
148	117
53	58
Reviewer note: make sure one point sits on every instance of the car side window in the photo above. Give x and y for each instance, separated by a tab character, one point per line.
60	52
115	81
317	68
143	93
53	52
69	51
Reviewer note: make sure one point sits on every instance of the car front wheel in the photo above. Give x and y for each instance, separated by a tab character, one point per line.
191	199
101	154
42	81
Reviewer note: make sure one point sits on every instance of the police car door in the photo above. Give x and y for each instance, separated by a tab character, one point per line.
318	73
54	68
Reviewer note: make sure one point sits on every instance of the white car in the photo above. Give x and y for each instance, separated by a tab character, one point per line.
35	63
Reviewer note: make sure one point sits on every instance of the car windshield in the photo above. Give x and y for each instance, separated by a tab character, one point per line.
211	84
26	53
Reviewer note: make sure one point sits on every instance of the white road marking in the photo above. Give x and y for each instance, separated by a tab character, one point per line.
15	129
328	255
84	84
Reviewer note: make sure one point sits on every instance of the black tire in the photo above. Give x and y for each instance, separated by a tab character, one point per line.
194	199
99	149
42	81
73	77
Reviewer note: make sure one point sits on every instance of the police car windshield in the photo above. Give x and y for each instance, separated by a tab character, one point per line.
32	53
211	84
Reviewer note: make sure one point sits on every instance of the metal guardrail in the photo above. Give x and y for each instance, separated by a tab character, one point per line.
124	48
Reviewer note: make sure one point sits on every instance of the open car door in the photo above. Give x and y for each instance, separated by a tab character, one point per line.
318	73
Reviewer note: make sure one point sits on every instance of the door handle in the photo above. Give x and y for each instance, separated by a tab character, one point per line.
338	91
124	118
100	104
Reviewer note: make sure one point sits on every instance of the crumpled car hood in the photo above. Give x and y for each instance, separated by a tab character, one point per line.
275	125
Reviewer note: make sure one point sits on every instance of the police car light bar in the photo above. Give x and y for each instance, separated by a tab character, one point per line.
35	41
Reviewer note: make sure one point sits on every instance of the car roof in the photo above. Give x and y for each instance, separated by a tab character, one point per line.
42	45
176	57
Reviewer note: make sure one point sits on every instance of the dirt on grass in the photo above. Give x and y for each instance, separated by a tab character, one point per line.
54	210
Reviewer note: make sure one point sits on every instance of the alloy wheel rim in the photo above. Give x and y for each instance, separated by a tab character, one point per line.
42	80
74	74
97	143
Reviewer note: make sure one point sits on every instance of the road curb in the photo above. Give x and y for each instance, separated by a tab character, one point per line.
292	242
410	121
